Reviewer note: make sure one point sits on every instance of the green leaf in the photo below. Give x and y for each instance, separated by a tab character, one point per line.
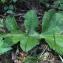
31	21
3	1
55	42
27	43
4	50
58	23
54	25
47	19
53	33
15	37
11	23
3	46
12	38
7	40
